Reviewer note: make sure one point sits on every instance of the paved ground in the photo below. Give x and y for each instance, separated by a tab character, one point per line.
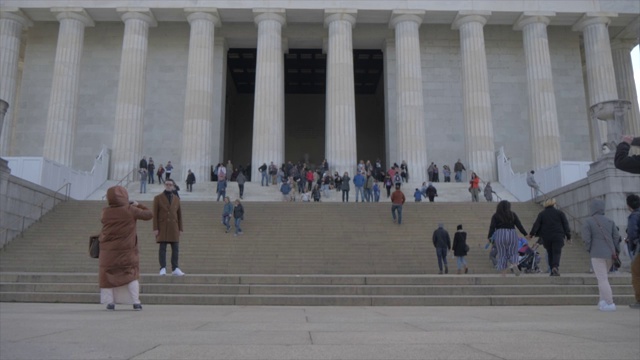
81	331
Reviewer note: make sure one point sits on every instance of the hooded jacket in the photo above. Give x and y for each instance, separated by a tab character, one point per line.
119	261
599	233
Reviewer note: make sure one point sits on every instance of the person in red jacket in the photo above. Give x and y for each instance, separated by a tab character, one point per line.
397	200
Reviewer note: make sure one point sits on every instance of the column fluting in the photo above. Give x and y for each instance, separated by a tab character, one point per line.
410	122
129	121
601	78
11	25
621	54
63	102
268	110
198	107
476	97
543	115
340	135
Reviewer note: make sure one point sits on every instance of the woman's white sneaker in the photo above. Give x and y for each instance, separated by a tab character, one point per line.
608	307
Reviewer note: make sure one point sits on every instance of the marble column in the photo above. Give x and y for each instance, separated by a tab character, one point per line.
476	97
12	22
128	132
340	135
390	96
219	99
543	116
410	122
621	54
63	103
601	78
268	109
198	107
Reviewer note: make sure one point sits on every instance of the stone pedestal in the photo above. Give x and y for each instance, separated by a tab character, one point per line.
198	107
268	110
127	136
12	22
475	94
63	103
340	135
613	186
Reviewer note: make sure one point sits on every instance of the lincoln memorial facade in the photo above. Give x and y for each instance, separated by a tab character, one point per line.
201	82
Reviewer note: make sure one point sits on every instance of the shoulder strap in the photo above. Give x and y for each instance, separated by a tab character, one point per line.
611	245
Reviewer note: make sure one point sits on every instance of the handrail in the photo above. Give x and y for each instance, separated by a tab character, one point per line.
126	177
484	185
67	195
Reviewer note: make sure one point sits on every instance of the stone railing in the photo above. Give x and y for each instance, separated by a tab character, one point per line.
549	178
53	175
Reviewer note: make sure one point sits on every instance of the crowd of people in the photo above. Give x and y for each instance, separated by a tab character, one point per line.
119	259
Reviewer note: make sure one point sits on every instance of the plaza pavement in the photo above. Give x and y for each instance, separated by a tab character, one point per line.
88	331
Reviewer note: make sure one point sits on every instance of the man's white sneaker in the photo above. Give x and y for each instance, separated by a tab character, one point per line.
163	271
601	303
177	272
608	307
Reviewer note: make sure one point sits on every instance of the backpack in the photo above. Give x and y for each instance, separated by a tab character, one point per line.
397	178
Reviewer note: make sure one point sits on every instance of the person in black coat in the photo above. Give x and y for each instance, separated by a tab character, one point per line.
191	179
552	228
624	161
460	249
442	243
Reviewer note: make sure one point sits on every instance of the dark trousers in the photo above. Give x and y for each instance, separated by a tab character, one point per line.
345	195
150	179
442	256
189	187
162	255
160	181
241	189
554	251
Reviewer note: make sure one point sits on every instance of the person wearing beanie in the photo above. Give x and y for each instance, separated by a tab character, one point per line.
633	243
460	249
551	227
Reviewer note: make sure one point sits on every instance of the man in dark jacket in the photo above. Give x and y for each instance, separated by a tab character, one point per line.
551	227
624	161
442	243
633	239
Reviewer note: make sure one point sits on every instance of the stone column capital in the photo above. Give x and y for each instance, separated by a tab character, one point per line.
16	14
279	15
74	13
398	16
143	14
624	44
589	19
349	15
527	18
467	16
209	14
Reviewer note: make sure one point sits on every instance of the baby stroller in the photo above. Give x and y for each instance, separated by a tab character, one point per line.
529	259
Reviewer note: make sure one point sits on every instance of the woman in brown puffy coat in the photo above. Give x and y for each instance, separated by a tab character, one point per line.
119	259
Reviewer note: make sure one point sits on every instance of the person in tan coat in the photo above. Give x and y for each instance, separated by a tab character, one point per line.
167	226
119	260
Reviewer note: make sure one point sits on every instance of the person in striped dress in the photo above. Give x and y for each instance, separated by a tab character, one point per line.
502	229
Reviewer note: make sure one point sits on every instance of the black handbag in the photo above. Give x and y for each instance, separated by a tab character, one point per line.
94	246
